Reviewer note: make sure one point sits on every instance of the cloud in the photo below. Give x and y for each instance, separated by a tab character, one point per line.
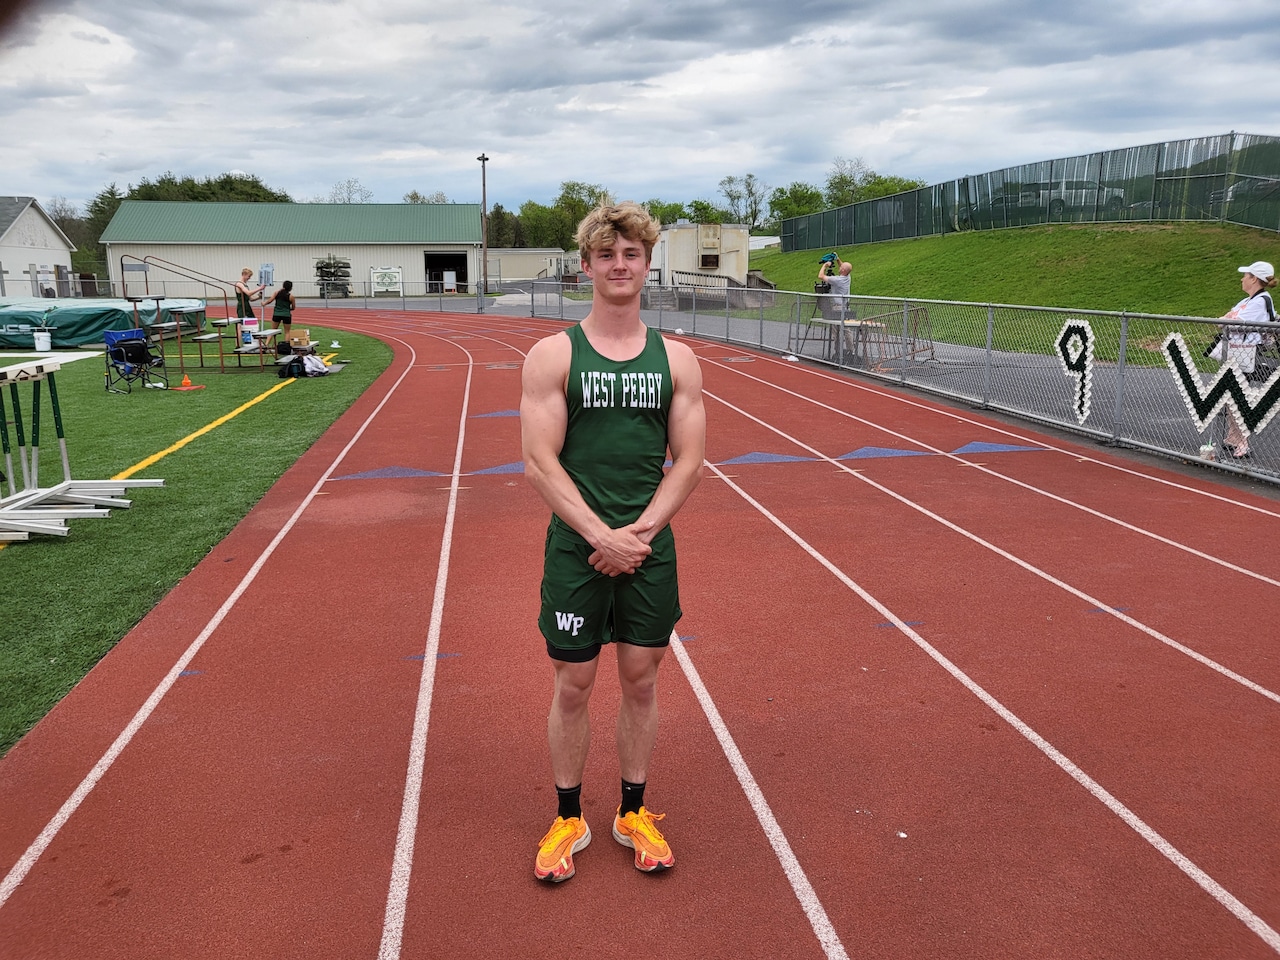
652	99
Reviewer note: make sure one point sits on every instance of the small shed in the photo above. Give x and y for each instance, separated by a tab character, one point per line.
35	255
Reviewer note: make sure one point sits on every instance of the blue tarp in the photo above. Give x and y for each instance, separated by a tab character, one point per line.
77	321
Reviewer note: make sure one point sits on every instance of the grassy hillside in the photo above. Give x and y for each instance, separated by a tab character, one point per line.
1184	269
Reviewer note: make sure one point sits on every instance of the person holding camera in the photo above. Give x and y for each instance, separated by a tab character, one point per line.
833	287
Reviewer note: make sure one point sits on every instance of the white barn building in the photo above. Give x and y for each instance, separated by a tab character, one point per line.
192	249
35	255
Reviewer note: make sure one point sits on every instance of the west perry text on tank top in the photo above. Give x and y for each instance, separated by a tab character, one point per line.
616	440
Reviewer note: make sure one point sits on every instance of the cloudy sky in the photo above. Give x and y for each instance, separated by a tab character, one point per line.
651	99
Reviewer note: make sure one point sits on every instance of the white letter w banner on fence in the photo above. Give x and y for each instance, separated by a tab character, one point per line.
1254	406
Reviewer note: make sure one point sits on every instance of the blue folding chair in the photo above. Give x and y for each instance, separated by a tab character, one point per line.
129	360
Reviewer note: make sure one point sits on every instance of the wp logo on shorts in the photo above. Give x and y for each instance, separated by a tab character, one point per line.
567	621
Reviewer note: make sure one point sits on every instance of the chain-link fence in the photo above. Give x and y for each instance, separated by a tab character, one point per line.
1139	380
1234	178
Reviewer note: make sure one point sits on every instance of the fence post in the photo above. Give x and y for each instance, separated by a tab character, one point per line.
840	338
1118	418
761	343
906	319
695	310
986	367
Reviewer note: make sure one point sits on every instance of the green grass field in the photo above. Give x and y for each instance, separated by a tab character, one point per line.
68	600
1178	269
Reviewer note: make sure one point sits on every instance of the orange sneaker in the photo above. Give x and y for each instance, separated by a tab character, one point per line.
639	832
556	849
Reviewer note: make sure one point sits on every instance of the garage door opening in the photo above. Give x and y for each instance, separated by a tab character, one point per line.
446	272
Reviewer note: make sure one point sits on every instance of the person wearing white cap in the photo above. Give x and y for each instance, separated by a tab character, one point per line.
1243	342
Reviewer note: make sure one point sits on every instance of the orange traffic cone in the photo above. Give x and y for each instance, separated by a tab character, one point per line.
186	381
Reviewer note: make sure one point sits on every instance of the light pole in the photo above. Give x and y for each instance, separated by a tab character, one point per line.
484	231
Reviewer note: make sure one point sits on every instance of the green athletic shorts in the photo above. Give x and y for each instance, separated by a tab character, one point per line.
583	609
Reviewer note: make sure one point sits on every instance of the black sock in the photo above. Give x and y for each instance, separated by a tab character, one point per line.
570	801
632	797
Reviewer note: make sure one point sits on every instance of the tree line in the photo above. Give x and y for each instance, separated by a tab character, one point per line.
744	199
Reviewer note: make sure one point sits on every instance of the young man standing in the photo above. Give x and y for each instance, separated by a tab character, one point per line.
602	404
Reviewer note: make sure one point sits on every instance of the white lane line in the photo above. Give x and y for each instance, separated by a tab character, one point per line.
994	428
33	853
1042	574
406	834
1244	571
1166	849
808	897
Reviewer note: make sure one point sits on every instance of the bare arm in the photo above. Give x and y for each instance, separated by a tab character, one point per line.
255	294
686	438
544	417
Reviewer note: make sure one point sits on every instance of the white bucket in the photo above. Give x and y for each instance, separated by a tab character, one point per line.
43	339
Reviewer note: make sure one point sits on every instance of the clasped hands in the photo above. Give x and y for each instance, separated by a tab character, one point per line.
622	550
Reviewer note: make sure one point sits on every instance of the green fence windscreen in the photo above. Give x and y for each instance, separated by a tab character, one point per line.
1233	178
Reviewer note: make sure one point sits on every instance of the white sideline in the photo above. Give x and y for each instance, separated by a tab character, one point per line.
33	853
1030	568
1235	568
808	897
1166	849
406	833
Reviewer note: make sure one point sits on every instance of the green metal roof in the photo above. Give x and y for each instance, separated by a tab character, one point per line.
164	221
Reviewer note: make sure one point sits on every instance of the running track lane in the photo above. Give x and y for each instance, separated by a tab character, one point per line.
1002	874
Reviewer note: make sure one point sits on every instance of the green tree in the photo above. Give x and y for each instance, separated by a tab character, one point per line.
666	213
505	229
704	211
746	198
577	199
546	226
844	180
796	199
229	187
97	215
884	186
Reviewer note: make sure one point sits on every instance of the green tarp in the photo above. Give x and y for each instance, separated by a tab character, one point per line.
77	321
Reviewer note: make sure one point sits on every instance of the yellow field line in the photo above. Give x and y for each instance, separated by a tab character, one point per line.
156	457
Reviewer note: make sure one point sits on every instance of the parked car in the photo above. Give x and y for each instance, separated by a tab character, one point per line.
1067	195
1246	191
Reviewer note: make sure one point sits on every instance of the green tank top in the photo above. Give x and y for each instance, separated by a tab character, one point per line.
244	305
281	312
616	441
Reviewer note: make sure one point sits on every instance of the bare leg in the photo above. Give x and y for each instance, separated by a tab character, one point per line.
569	723
1235	436
638	712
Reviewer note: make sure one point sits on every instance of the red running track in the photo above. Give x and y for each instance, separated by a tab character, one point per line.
944	688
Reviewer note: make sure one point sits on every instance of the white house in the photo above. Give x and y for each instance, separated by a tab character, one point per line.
35	255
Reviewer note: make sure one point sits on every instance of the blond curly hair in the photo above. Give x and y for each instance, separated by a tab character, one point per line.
602	226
